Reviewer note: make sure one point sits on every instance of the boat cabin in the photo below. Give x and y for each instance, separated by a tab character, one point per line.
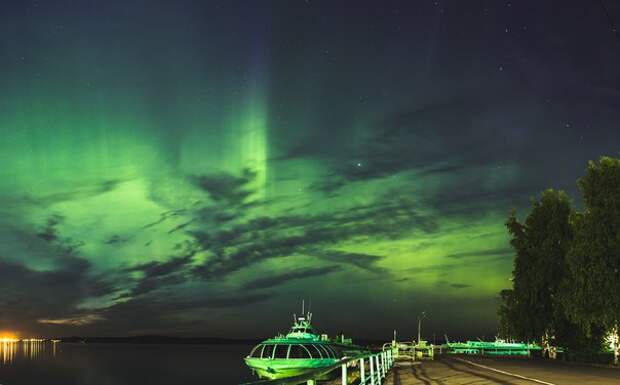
296	351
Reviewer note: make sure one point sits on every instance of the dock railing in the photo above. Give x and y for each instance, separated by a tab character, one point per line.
372	369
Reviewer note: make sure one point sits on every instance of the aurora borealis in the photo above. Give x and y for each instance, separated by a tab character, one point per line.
200	167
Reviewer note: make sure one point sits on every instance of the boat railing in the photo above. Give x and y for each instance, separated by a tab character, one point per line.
370	369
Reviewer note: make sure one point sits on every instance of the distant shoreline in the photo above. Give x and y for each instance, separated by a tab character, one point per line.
161	340
180	340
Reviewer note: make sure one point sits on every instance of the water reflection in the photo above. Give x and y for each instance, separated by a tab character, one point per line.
48	363
29	349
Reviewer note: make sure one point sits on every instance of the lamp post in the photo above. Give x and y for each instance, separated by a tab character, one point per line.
421	316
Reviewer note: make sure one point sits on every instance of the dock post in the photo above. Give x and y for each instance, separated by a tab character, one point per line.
379	374
344	374
372	371
362	377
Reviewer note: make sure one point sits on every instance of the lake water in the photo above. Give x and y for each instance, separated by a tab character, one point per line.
122	364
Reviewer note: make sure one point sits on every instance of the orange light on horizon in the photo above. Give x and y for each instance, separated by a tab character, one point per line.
6	337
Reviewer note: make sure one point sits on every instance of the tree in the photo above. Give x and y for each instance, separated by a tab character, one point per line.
592	290
532	310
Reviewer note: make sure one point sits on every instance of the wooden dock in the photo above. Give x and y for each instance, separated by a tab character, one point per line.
481	371
459	370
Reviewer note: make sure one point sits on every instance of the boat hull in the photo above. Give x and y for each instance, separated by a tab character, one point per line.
283	368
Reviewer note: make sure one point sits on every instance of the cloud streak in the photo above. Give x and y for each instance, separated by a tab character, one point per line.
296	274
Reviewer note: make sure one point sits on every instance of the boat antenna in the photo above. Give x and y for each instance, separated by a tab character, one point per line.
303	306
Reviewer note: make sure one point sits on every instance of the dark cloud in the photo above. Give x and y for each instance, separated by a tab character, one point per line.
35	299
115	239
83	191
165	312
280	236
469	152
460	285
29	295
157	269
444	283
444	268
413	140
49	233
158	275
471	195
280	278
408	140
165	216
505	251
226	188
487	235
363	261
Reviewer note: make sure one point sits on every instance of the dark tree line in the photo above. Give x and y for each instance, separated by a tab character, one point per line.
566	277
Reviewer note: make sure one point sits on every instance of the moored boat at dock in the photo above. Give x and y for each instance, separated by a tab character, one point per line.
300	351
498	347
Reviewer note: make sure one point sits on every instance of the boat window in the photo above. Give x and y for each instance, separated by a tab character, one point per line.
256	352
326	352
281	351
338	351
333	350
298	351
267	351
318	353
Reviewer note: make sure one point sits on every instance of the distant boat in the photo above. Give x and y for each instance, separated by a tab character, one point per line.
300	351
498	347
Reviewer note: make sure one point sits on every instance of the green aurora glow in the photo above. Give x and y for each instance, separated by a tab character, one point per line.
196	174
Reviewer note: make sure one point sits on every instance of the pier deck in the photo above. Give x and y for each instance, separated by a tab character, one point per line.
457	371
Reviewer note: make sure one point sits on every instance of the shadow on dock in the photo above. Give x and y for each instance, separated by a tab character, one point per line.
443	372
491	379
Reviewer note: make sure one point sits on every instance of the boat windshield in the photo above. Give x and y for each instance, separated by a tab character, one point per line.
314	350
298	351
281	351
326	352
256	352
267	351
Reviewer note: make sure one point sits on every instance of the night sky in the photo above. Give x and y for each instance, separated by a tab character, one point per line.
196	168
